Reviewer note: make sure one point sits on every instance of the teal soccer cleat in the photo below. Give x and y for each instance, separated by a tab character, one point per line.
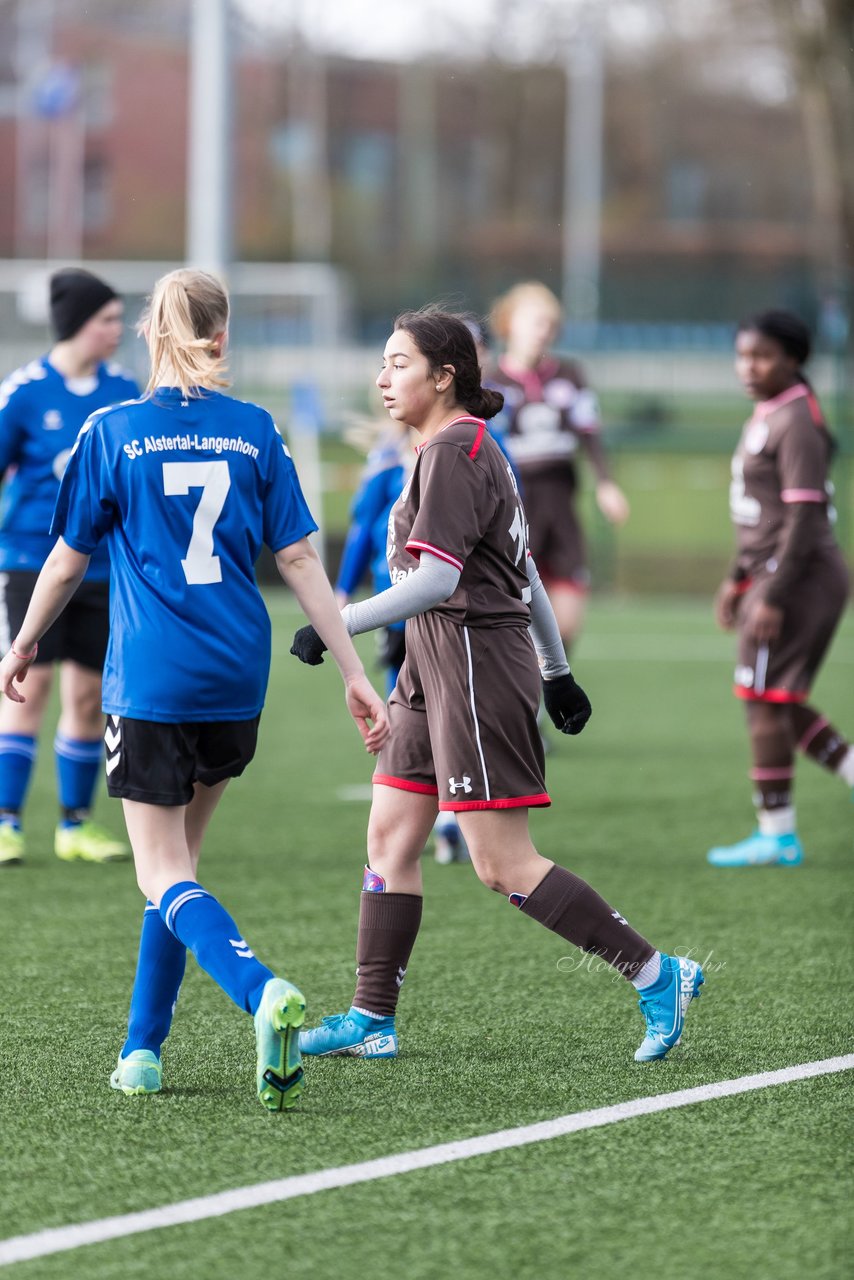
351	1035
759	851
140	1072
277	1021
664	1004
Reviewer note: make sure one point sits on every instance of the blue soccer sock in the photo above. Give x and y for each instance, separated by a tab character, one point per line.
78	763
17	758
205	928
159	971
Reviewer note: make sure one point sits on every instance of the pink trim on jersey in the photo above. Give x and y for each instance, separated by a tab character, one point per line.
770	695
815	728
512	802
403	784
771	775
796	392
475	449
415	548
803	495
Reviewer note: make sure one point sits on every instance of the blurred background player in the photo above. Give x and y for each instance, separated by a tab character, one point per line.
550	413
482	645
42	408
787	587
186	514
389	461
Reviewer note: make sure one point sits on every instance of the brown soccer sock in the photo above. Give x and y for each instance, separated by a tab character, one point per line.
772	743
388	927
566	904
818	739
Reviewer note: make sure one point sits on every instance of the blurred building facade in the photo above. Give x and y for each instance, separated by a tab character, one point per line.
428	180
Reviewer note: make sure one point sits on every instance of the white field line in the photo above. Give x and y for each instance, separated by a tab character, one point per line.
61	1239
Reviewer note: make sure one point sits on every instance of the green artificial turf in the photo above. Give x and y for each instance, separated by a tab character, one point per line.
500	1024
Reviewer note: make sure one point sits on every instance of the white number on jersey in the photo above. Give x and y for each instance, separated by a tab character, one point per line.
517	532
201	566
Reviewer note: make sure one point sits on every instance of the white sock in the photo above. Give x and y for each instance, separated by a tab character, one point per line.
378	1017
777	822
648	972
845	768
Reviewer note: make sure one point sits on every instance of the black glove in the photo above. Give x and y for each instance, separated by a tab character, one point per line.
391	646
308	646
567	704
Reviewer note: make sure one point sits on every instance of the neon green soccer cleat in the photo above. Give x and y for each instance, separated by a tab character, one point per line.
277	1021
87	842
140	1072
11	845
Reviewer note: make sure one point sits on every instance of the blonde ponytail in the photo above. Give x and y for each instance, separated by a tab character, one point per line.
185	313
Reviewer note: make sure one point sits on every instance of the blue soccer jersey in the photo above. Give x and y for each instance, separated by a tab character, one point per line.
41	413
185	491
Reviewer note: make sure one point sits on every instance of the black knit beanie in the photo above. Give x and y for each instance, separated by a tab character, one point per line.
75	296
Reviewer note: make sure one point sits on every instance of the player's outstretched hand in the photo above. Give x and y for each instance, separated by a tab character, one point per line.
567	704
13	669
308	646
368	710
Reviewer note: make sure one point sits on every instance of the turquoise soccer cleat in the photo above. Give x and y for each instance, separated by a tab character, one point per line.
759	851
351	1035
140	1072
279	1075
664	1004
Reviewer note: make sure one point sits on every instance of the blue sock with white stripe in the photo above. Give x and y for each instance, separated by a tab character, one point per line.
159	971
78	763
205	928
17	758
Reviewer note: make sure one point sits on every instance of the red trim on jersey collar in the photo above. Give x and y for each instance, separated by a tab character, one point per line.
796	392
464	417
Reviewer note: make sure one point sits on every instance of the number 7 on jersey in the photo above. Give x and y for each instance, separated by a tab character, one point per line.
200	566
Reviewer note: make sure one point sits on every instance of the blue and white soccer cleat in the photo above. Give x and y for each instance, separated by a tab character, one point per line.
759	851
664	1004
351	1035
140	1072
278	1073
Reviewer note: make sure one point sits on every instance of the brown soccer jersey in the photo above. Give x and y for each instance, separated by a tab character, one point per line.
781	458
548	410
461	505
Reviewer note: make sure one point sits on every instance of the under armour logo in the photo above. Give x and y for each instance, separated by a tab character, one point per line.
454	786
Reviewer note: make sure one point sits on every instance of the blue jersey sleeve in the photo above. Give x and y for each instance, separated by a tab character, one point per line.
370	503
11	422
86	505
286	514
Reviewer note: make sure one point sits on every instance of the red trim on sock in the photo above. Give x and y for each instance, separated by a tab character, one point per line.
770	695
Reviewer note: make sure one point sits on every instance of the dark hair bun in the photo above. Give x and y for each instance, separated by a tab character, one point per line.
491	403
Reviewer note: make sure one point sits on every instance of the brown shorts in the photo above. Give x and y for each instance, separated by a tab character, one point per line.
785	670
463	718
554	533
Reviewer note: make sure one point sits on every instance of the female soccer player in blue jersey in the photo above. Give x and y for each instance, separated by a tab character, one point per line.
186	485
464	712
42	408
